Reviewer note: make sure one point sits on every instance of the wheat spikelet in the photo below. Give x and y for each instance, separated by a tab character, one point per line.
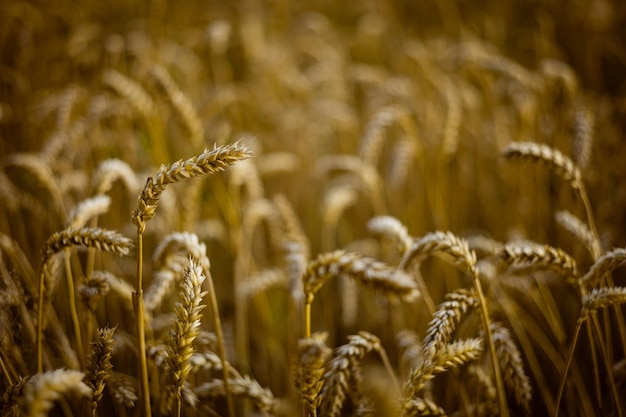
603	265
99	365
391	228
442	244
515	378
365	271
121	288
208	162
446	318
530	256
209	361
43	389
543	154
339	372
180	341
373	136
90	237
577	228
93	288
132	91
244	386
181	104
87	209
447	356
417	407
111	170
312	354
602	297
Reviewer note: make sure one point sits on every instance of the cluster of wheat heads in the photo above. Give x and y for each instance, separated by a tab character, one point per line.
374	148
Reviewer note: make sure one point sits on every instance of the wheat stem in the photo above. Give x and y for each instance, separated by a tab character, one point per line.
568	363
71	295
141	329
220	339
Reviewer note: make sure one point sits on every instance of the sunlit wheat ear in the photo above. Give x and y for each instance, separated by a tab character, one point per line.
39	169
403	154
86	209
180	103
389	227
532	152
130	89
89	237
180	341
43	389
445	245
338	375
99	366
208	162
578	229
366	271
242	387
528	257
515	378
311	356
604	265
417	407
447	356
446	318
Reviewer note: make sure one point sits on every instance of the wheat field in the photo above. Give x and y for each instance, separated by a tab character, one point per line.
316	209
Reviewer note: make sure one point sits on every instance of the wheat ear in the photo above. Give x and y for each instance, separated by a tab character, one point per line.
602	266
43	389
312	354
208	162
448	356
455	250
527	257
578	229
180	341
339	374
515	378
104	240
365	271
241	387
418	407
99	366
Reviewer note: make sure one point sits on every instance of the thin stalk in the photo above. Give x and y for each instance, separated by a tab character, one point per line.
389	368
307	319
220	339
568	363
5	371
40	322
71	294
609	368
594	357
504	409
141	329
